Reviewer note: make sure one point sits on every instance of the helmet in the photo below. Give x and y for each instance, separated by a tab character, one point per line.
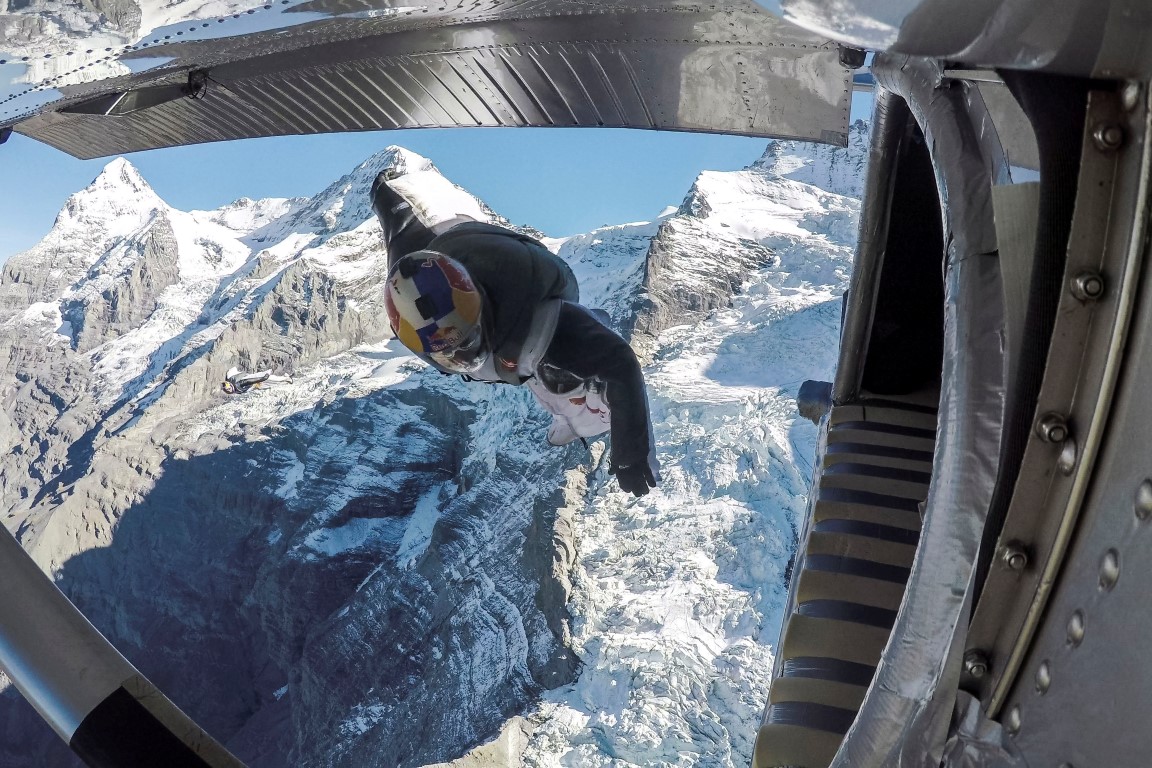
434	309
228	387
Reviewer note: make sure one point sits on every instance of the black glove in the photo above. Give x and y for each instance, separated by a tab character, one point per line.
635	479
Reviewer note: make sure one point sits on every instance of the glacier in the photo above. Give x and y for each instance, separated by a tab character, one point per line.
379	565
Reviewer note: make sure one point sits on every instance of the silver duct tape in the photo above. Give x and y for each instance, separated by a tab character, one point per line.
904	720
976	741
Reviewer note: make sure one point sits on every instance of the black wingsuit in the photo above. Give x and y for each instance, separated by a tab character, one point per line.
515	274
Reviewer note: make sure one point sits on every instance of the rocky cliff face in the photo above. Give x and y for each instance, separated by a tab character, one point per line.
731	224
378	565
831	169
96	313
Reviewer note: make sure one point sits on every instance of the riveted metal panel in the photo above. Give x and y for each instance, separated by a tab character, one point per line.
672	66
1084	362
174	124
1088	650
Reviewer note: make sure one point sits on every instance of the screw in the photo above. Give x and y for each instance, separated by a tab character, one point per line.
1014	556
976	663
1108	137
1076	629
1043	677
1088	286
1144	500
1109	570
1014	720
1052	428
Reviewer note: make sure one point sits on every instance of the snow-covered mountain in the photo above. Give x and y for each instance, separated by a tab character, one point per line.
376	565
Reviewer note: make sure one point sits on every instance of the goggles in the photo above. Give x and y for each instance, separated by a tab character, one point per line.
467	356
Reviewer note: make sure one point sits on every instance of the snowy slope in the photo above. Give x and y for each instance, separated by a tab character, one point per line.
679	595
379	539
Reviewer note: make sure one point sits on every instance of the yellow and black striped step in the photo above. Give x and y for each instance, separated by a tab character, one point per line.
849	577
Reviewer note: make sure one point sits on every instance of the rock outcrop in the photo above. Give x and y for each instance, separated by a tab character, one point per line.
122	298
700	258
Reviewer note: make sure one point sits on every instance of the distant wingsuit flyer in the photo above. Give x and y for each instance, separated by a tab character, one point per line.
237	383
493	305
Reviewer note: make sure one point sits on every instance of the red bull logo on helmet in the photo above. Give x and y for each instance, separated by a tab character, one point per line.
443	338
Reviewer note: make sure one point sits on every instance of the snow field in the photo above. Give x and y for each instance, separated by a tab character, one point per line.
679	595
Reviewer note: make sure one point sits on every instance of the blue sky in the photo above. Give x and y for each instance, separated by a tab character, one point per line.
561	180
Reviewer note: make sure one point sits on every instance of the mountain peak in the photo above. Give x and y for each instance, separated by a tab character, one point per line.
120	174
833	169
117	190
403	160
345	203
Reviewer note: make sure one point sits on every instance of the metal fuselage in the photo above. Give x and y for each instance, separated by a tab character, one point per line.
1018	638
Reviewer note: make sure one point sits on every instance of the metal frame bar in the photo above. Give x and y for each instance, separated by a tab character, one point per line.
889	126
90	695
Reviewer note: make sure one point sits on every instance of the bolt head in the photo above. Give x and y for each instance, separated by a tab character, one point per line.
1015	556
1052	428
1043	677
1143	503
1014	721
1088	286
1108	137
976	663
1076	629
1109	570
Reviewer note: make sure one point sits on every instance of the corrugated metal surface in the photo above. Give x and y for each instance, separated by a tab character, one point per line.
673	66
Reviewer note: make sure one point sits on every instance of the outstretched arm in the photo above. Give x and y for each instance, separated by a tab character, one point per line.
247	380
403	230
589	349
